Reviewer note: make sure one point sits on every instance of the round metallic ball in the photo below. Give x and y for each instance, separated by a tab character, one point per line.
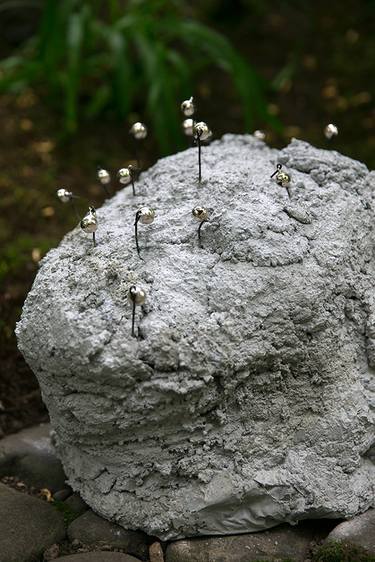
89	223
64	195
137	295
201	130
283	179
103	176
139	131
330	131
200	213
124	176
188	127
260	135
146	215
188	107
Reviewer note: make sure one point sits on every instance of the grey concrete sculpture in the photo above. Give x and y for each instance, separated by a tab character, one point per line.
248	398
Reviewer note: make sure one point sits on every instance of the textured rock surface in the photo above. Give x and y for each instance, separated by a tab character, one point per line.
359	531
27	526
247	399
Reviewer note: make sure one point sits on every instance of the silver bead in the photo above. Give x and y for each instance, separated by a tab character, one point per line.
124	176
139	130
260	135
146	215
201	130
89	223
188	127
103	176
136	295
330	131
283	179
64	195
200	213
188	107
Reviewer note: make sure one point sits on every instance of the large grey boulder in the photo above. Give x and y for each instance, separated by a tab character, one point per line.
246	401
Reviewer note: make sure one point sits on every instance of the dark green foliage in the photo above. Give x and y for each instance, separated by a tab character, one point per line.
92	57
340	552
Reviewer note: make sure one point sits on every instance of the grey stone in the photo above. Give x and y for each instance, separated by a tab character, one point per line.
98	557
76	504
62	495
359	531
246	401
284	542
30	455
89	528
27	526
155	552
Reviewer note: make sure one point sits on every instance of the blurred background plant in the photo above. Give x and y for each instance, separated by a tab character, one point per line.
75	74
113	57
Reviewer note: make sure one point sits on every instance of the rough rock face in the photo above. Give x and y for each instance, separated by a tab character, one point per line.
246	401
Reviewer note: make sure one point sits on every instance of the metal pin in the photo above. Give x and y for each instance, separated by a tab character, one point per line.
330	131
188	127
104	179
260	135
126	176
200	214
139	132
188	107
144	215
66	196
201	133
136	296
282	178
89	223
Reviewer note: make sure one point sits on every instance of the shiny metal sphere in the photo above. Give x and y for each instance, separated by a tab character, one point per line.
188	127
124	176
139	131
64	195
330	131
283	179
188	107
146	215
89	223
103	176
200	213
260	135
201	130
136	295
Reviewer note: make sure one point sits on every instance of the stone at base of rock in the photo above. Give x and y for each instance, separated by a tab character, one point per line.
27	526
30	456
99	557
76	504
359	531
280	543
89	528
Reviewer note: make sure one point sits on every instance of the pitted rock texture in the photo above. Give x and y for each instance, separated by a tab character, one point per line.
248	398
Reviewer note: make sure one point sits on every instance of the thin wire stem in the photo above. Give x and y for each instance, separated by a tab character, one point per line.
94	238
199	158
199	233
133	319
137	216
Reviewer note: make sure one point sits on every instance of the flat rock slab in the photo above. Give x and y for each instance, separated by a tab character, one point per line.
247	399
89	529
284	542
359	531
98	557
27	526
30	456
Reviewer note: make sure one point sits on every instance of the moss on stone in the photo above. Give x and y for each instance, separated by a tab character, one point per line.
342	552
